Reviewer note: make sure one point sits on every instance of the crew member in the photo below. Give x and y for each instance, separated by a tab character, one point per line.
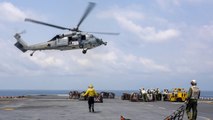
144	94
191	101
165	94
91	93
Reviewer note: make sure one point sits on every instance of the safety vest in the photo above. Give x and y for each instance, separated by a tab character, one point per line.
143	91
195	92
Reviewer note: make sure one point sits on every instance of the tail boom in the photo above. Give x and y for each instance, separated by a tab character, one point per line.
20	44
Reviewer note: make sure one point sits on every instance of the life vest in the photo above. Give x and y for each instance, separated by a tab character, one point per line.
195	92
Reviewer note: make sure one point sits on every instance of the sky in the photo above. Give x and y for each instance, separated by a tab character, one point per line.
162	44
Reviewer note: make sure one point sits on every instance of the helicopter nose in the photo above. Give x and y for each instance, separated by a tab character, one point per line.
105	43
100	42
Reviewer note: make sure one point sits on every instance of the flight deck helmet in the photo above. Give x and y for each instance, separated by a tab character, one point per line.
90	86
193	82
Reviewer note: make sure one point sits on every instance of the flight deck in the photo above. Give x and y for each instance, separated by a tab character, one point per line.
52	107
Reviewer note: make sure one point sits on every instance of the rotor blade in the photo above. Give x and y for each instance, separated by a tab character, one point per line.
88	10
47	24
106	33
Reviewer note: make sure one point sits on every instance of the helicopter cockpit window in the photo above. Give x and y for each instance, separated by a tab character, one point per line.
70	38
83	37
89	36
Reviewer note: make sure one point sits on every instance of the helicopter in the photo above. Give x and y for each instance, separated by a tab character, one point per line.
74	39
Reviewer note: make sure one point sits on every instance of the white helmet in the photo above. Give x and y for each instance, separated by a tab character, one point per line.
193	82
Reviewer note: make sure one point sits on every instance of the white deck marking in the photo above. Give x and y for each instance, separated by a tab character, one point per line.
162	108
205	118
150	105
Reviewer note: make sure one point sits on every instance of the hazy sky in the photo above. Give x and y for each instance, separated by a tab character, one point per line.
162	43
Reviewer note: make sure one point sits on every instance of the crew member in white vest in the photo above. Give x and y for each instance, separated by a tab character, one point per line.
191	101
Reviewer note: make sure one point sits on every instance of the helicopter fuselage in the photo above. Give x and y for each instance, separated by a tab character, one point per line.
87	41
70	41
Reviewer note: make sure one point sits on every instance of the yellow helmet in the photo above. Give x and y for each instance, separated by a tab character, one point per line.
90	86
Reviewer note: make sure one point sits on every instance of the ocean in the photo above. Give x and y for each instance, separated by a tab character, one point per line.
53	92
205	94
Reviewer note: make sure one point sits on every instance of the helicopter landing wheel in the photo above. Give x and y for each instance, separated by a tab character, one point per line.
84	51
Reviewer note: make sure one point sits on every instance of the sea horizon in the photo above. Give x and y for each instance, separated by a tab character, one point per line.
22	92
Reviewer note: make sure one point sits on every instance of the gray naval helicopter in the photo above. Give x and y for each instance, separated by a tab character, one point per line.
75	39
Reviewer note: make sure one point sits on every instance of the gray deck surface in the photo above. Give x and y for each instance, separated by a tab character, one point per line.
50	108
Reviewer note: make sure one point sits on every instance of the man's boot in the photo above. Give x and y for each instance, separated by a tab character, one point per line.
93	108
89	109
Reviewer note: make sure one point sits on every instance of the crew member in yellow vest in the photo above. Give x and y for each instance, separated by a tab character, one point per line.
91	93
191	102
